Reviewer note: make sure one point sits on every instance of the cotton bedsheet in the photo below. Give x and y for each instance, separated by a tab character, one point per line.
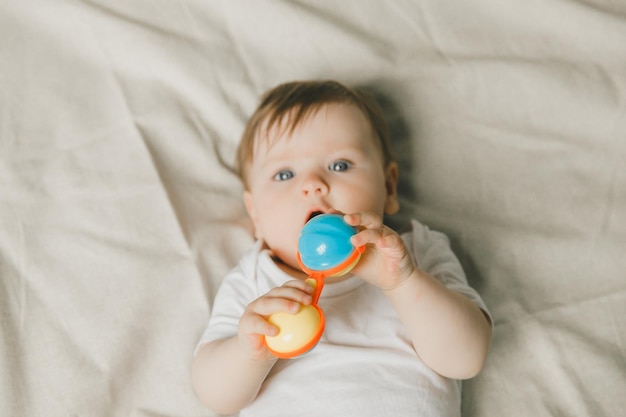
120	214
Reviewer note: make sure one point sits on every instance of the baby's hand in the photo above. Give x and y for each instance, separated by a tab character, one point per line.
253	325
386	261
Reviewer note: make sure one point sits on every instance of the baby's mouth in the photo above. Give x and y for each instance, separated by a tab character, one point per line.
314	214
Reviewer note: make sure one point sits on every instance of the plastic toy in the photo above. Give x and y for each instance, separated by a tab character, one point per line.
324	250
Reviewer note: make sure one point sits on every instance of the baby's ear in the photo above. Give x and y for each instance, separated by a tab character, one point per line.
392	205
247	200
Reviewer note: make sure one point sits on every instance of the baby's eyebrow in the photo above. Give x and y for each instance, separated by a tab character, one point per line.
276	159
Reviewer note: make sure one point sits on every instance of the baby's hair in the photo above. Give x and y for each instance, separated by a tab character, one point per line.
287	105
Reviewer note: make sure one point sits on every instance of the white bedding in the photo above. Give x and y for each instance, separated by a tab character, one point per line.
119	214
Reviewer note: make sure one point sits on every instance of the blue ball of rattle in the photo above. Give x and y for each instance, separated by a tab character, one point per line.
325	242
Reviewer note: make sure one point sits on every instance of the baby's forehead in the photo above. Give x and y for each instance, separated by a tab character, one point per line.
279	126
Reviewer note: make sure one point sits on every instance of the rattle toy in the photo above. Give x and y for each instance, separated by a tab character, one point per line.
324	250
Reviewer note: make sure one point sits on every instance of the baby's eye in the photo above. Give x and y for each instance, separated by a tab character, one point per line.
283	175
340	166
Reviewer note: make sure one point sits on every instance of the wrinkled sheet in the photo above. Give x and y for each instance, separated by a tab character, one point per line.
119	214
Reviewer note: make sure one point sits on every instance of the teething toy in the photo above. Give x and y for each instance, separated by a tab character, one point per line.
324	250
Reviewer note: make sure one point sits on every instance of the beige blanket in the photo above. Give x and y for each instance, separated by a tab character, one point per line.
119	215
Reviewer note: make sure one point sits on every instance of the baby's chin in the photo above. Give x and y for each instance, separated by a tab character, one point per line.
290	267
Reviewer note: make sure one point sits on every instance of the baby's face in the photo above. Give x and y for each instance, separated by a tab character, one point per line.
332	160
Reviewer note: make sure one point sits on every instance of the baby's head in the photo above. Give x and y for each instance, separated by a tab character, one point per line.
284	107
312	147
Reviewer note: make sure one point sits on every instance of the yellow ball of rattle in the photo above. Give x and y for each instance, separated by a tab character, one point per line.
298	332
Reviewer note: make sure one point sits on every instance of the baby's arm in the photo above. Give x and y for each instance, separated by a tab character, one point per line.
224	378
449	332
228	373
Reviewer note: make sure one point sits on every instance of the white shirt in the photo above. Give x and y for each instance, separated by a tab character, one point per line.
364	364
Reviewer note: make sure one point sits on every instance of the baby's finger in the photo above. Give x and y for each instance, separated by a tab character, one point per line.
257	325
299	292
382	237
284	299
299	285
266	306
367	236
366	219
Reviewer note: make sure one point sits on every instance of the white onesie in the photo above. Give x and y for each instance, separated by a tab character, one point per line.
365	364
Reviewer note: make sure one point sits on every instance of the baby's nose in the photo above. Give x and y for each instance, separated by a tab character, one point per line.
314	185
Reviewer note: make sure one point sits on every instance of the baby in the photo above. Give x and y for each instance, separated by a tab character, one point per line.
401	329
